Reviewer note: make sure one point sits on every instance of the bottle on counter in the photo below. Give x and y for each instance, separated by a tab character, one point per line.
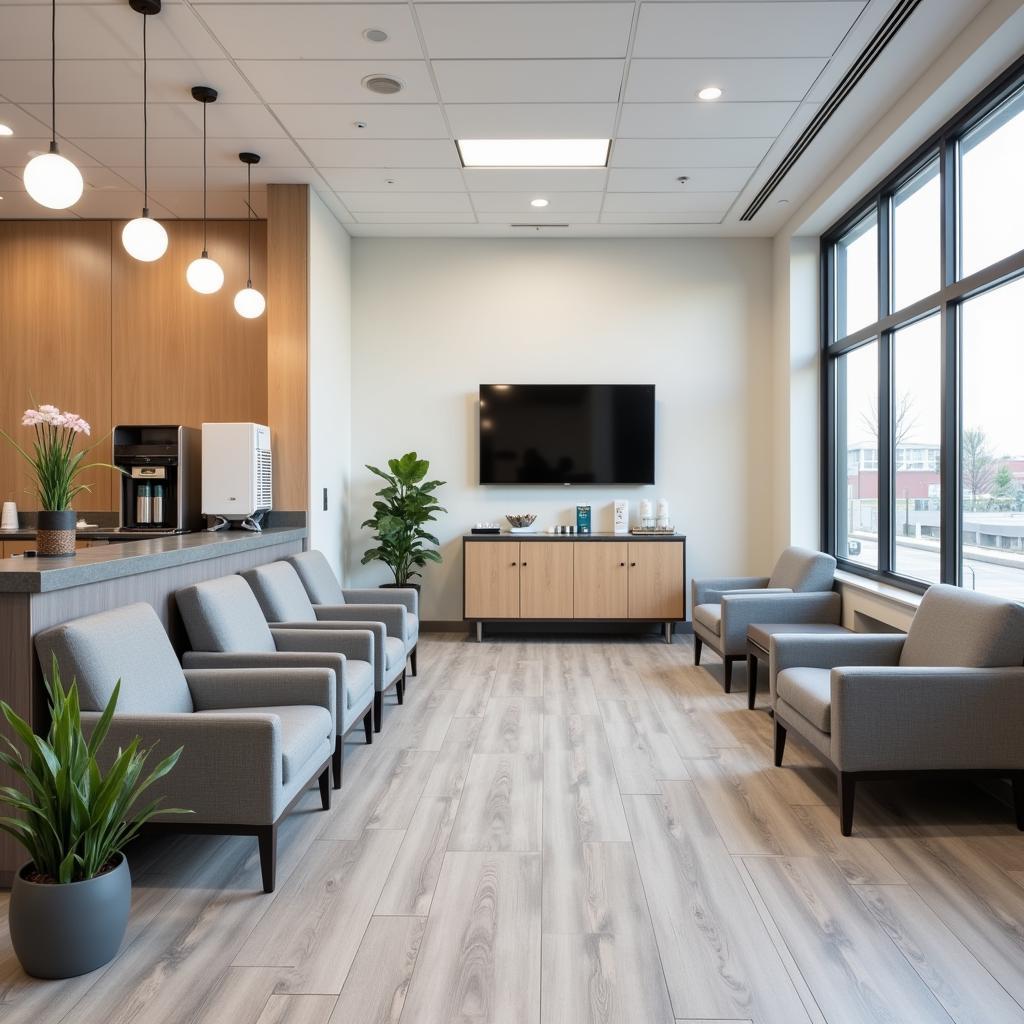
143	505
158	504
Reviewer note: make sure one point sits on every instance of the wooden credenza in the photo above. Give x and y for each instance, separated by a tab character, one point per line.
597	578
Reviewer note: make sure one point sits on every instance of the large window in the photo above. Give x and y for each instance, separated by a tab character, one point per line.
924	370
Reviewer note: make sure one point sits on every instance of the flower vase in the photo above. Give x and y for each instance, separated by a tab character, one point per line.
55	533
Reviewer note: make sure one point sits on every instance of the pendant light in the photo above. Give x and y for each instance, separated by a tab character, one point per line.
52	180
143	237
249	302
204	275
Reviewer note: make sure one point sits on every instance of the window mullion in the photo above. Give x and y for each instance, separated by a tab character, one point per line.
886	454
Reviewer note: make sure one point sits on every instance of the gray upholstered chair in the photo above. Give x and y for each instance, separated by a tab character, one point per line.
798	590
253	740
285	603
946	697
323	587
226	628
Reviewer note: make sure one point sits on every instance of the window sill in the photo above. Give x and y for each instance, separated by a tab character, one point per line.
886	591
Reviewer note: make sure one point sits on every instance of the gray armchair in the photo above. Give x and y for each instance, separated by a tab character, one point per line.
284	601
227	630
253	739
323	587
798	590
946	697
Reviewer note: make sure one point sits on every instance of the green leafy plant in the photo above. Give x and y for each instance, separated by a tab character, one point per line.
75	819
402	509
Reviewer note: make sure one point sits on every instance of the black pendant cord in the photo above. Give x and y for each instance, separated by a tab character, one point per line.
204	180
145	121
248	217
53	77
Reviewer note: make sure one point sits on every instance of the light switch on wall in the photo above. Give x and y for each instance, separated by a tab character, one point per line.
325	499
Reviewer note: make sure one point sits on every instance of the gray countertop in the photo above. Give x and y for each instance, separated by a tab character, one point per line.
93	565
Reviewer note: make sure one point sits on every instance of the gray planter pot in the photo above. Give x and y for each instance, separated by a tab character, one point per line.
61	931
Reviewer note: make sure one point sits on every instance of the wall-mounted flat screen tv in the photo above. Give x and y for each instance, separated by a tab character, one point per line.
567	433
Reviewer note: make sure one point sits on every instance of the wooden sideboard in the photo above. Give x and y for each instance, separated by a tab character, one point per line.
594	577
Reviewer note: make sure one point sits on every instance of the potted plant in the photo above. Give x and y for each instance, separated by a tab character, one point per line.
69	904
403	507
56	465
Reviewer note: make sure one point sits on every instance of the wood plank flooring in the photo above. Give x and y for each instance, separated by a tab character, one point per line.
578	830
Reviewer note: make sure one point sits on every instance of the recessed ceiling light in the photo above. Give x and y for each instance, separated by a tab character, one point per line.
375	35
533	152
385	85
6	129
538	202
683	179
710	92
359	124
783	202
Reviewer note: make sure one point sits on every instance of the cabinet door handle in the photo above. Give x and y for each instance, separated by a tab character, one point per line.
513	563
622	563
524	565
633	564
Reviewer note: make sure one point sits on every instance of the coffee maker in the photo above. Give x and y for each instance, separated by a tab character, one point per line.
160	480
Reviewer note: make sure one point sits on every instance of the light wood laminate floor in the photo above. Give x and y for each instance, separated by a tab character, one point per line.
573	830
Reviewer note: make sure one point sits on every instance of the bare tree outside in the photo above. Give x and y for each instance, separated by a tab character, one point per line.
904	420
978	464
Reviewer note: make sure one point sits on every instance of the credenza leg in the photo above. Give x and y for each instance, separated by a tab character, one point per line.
668	632
479	632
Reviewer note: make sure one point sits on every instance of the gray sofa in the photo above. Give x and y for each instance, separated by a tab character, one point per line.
227	629
798	590
285	603
946	697
323	587
253	740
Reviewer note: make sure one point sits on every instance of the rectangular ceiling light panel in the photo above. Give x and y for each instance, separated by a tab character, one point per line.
534	152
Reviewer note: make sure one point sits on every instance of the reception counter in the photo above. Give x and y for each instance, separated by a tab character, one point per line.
36	593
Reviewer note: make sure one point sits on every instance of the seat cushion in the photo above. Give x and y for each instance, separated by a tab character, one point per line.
358	682
809	690
395	651
710	617
762	632
303	729
412	627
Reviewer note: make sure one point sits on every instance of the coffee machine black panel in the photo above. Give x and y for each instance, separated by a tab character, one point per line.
160	479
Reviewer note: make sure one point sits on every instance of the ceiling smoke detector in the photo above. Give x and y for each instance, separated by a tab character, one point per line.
375	35
383	85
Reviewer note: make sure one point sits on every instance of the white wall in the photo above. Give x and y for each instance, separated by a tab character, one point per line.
434	318
330	379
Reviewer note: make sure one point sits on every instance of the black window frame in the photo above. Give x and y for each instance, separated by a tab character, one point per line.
946	302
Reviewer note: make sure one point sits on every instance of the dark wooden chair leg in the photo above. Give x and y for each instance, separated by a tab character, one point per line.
325	789
267	837
698	646
412	660
400	688
336	762
1017	782
751	681
727	662
368	725
847	785
780	742
378	710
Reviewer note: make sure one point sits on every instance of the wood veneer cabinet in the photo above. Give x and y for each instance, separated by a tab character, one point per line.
600	578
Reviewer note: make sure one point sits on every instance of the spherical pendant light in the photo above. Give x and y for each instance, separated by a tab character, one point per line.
52	180
249	302
205	275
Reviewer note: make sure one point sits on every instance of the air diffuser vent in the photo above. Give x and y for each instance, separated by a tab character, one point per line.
538	226
385	85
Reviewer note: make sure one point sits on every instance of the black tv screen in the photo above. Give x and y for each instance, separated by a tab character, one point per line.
567	433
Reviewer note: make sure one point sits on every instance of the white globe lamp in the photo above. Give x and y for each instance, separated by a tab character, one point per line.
144	238
250	303
205	275
53	181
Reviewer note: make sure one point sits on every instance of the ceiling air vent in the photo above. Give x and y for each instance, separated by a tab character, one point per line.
895	20
538	226
385	85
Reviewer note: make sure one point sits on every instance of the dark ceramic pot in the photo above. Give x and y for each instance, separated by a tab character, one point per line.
61	931
55	533
401	586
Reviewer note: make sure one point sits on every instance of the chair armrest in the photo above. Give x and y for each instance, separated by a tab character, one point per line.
392	615
407	596
710	590
221	689
920	718
742	609
792	650
359	640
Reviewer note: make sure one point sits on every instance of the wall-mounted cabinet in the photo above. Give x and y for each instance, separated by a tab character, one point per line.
598	578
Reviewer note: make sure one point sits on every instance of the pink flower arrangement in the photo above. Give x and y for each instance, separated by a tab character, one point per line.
52	416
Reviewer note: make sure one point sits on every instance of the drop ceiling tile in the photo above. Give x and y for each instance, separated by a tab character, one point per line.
16	151
500	179
277	31
22	123
529	216
692	217
666	202
519	202
725	29
336	81
18	206
376	179
661	81
166	120
666	179
688	153
413	217
336	206
178	153
382	152
406	202
523	29
189	204
531	120
229	179
529	81
170	81
103	32
703	120
382	120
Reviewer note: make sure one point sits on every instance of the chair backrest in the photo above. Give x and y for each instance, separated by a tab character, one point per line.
957	628
128	644
280	593
223	615
317	577
804	571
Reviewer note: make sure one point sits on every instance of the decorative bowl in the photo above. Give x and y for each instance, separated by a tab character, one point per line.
521	521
